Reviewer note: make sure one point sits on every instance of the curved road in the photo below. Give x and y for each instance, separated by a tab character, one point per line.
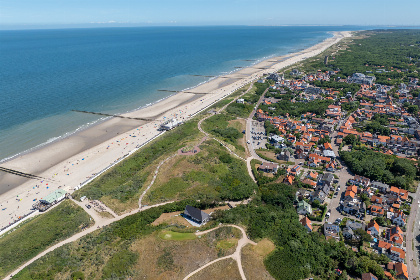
236	255
101	222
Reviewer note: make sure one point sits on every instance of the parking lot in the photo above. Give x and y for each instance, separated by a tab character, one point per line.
258	137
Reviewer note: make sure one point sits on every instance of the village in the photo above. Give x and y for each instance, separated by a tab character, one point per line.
331	199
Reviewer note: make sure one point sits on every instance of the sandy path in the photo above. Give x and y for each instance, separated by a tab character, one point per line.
236	255
70	162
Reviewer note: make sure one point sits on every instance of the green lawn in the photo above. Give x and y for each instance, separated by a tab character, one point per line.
41	232
178	236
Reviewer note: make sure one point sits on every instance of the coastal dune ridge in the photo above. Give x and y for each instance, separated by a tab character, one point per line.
80	157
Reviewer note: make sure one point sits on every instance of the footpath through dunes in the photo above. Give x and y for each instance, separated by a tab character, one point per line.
236	256
100	222
83	155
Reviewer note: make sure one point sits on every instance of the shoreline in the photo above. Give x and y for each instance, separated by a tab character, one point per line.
69	162
91	124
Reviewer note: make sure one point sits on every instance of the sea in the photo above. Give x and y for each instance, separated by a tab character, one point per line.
45	74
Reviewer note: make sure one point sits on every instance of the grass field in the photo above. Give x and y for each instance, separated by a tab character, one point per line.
41	232
178	236
222	270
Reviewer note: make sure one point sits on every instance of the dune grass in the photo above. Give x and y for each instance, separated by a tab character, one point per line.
178	236
41	232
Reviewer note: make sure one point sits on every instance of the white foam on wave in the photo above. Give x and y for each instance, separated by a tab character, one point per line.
56	138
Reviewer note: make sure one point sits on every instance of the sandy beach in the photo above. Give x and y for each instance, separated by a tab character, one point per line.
69	162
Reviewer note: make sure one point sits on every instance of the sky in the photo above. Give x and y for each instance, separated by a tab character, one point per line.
15	13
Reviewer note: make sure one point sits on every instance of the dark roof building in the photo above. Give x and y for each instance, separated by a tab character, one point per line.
369	276
196	214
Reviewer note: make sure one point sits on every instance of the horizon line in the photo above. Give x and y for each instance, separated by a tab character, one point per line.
48	26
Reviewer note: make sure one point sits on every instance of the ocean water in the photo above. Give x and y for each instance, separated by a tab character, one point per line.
44	74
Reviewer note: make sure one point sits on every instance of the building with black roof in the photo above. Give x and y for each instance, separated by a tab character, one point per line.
196	215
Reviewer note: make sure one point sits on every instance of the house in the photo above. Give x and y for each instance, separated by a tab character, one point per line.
332	231
295	170
289	179
312	175
348	231
396	254
284	155
401	271
373	228
351	207
376	200
310	183
304	208
395	236
196	215
369	276
321	193
350	193
276	139
383	247
306	223
268	167
376	210
326	179
327	146
328	153
330	167
383	188
360	181
399	218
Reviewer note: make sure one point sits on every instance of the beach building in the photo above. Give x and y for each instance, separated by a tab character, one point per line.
51	199
170	124
196	215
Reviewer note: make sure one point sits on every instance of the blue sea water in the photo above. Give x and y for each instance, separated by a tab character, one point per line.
44	74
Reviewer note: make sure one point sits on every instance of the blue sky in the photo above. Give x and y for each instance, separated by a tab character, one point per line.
209	12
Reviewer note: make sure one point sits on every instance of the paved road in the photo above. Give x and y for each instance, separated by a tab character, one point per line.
236	255
412	238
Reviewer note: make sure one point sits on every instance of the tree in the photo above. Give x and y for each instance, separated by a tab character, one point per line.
350	139
325	139
413	109
362	235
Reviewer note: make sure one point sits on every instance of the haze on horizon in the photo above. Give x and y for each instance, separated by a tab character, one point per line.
15	14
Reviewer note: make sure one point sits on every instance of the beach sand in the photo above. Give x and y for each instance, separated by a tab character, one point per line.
69	162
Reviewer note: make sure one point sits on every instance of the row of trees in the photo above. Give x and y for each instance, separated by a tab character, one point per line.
388	169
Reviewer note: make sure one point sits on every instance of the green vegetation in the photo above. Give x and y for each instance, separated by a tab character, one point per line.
298	254
282	107
343	88
39	233
350	106
124	181
389	169
219	125
240	110
172	235
213	174
105	254
378	125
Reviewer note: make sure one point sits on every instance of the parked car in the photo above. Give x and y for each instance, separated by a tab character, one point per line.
338	221
88	206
